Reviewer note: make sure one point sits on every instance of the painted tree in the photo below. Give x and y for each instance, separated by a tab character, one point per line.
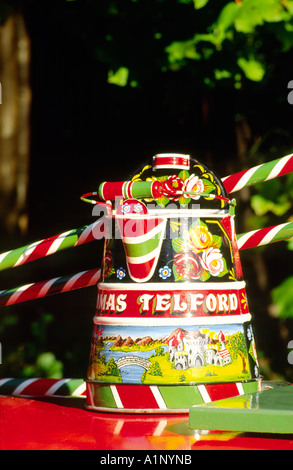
237	347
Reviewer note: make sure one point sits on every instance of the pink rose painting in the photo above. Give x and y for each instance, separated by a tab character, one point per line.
200	257
184	188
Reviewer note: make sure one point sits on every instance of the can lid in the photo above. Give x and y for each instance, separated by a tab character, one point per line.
171	160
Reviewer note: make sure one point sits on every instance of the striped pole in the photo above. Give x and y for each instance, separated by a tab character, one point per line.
89	278
258	174
38	387
264	236
57	285
48	246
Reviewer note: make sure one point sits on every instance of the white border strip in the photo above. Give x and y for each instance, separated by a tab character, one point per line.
139	321
158	397
204	394
240	388
116	396
175	213
180	286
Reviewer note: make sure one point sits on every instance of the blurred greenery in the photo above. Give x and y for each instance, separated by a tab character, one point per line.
283	298
116	81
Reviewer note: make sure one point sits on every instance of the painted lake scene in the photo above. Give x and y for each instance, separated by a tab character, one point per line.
164	355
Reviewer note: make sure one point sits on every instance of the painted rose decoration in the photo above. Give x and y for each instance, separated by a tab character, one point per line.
212	261
199	256
184	187
194	184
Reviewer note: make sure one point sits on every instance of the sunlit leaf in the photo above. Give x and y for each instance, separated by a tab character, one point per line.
180	50
282	297
253	69
227	16
200	3
262	206
252	14
120	77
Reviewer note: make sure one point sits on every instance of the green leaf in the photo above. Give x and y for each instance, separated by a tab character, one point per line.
282	297
200	3
252	68
120	77
179	50
227	16
49	366
197	223
178	244
163	201
225	270
217	241
208	186
184	201
184	175
262	206
255	13
221	74
177	277
205	276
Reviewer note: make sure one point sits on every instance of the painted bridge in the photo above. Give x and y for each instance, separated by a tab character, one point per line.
133	360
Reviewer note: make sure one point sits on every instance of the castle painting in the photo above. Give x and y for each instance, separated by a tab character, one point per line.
153	355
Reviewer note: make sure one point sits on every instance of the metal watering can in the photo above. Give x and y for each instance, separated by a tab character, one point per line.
172	326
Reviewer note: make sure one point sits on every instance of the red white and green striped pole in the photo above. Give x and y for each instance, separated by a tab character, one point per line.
57	285
39	387
48	246
89	278
265	236
258	174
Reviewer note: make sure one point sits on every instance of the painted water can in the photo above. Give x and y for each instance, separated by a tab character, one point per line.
172	326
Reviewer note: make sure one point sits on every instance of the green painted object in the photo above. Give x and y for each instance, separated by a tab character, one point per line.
268	411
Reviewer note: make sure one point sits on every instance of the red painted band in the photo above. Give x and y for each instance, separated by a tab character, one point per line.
168	303
169	161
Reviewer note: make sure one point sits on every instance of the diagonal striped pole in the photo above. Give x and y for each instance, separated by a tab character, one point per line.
88	278
258	174
57	285
48	246
39	387
265	236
